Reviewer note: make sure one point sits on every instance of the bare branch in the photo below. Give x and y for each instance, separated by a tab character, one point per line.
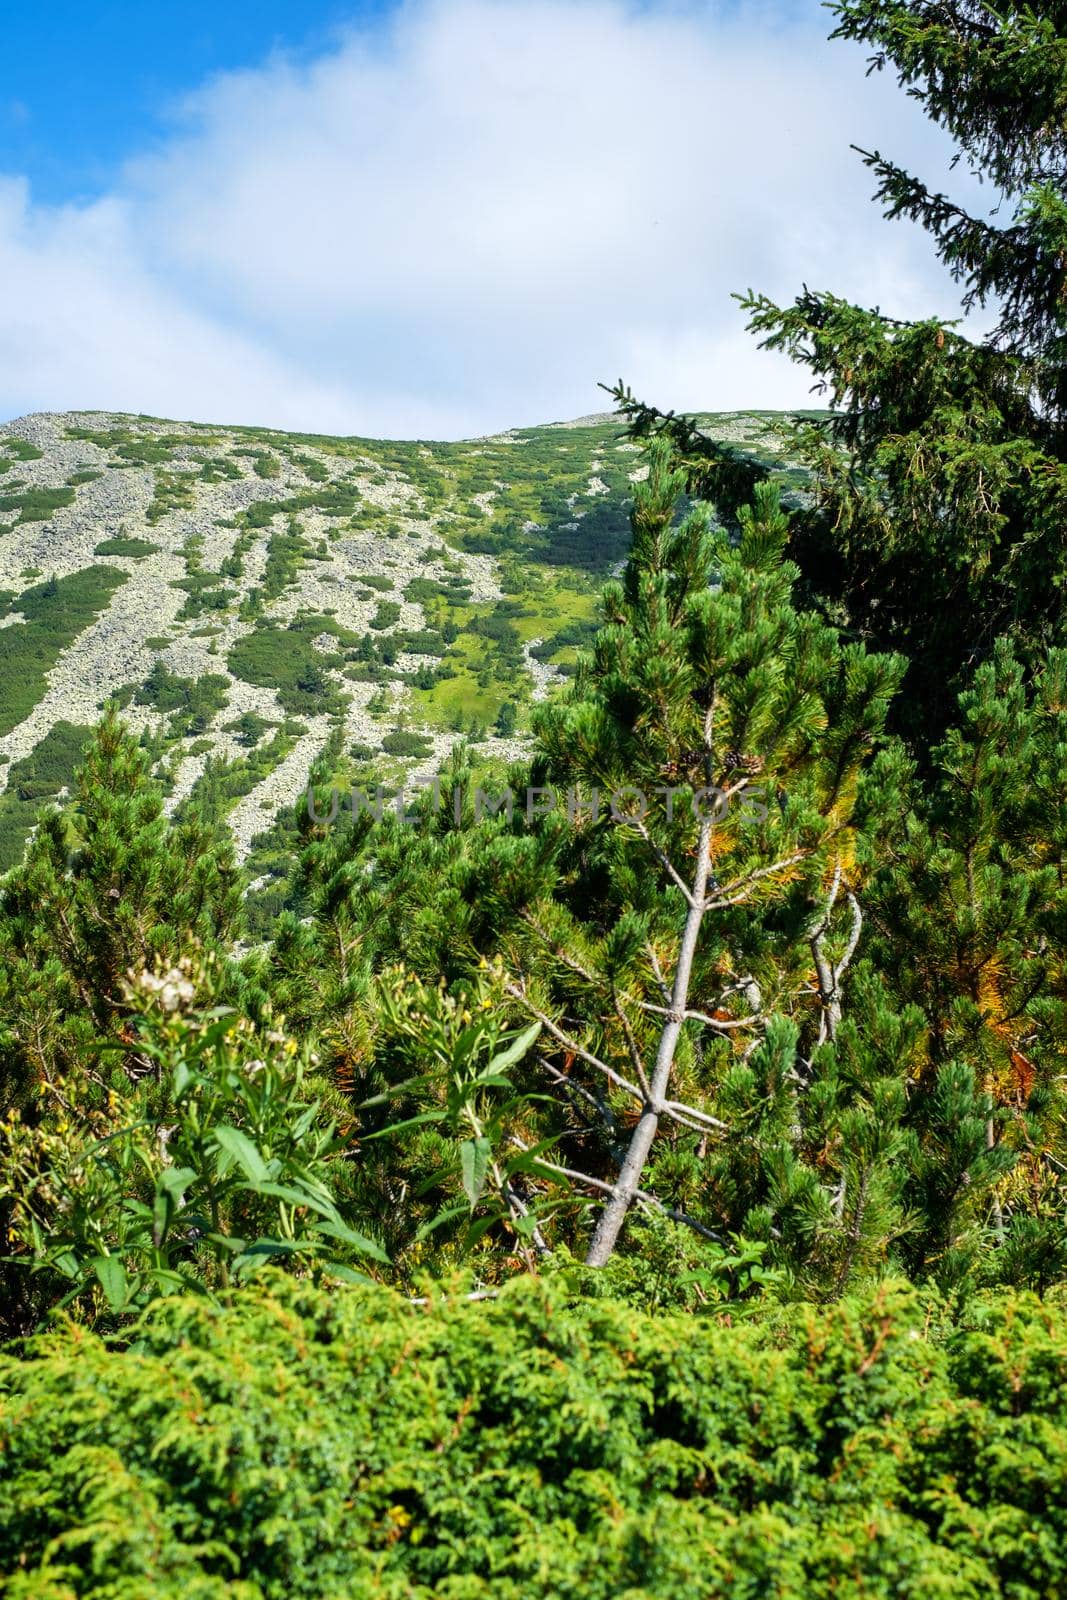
854	936
661	982
631	1045
594	979
579	1089
572	1044
664	861
642	1196
829	974
720	1026
675	1108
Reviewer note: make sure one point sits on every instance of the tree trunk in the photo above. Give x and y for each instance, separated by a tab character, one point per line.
629	1180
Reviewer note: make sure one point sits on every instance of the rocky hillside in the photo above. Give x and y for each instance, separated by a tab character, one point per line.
252	598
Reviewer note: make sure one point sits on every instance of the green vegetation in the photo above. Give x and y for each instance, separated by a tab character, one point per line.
337	500
36	505
453	590
219	469
38	777
204	590
173	492
123	546
21	449
286	551
639	1171
882	1448
249	728
131	446
191	702
400	743
285	658
223	782
54	614
387	615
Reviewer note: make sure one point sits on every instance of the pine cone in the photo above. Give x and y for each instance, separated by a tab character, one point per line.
734	761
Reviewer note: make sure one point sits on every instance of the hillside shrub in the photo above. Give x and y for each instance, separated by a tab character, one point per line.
403	743
54	613
386	616
121	546
37	505
293	1444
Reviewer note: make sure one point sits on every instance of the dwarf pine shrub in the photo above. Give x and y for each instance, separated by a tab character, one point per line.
294	1444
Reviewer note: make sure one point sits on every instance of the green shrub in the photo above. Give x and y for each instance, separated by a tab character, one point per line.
173	492
424	590
39	776
36	505
249	728
386	616
191	702
125	547
22	450
334	499
425	642
285	659
296	1444
55	613
406	744
219	469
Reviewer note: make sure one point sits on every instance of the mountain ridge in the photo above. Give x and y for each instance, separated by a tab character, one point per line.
251	596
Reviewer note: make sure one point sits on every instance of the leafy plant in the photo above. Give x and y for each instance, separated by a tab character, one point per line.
474	1106
218	1164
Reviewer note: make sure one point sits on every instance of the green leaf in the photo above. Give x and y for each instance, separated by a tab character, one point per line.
478	1229
303	1122
358	1241
411	1122
111	1275
515	1050
161	1216
65	1262
526	1226
337	1269
298	1197
263	1251
240	1147
175	1179
447	1214
474	1163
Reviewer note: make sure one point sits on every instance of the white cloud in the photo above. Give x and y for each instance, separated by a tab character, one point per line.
468	221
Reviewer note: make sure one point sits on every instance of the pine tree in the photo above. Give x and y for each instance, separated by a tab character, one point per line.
751	723
939	481
107	887
971	912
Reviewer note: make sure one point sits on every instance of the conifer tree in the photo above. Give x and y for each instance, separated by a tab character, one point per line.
107	886
721	898
940	478
971	912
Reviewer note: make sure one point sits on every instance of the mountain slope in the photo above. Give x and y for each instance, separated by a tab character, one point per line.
251	596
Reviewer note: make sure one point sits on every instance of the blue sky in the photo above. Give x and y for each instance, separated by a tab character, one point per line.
86	83
439	218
